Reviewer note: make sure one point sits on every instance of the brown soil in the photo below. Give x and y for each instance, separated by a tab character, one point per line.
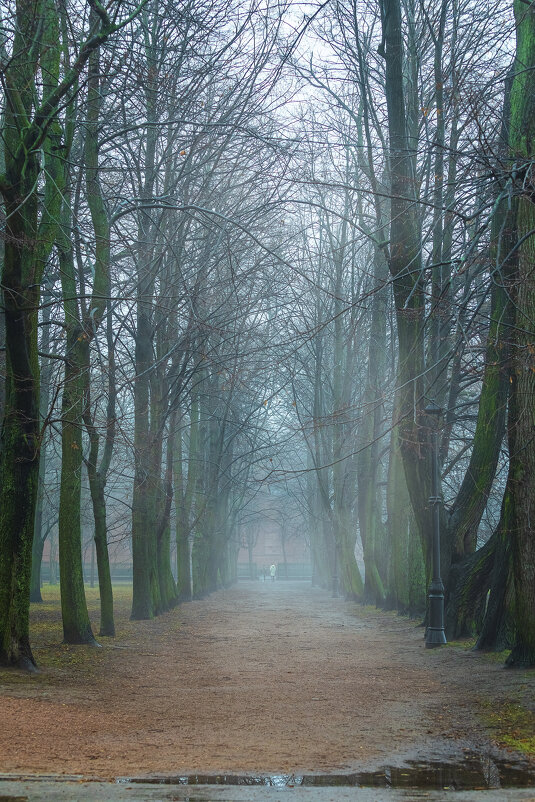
264	677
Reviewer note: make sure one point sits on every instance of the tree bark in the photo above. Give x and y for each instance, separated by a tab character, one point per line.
406	270
26	249
520	491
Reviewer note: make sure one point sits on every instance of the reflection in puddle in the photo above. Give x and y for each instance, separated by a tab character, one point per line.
470	774
13	798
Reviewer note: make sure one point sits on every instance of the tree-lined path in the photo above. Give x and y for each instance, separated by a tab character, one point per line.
264	677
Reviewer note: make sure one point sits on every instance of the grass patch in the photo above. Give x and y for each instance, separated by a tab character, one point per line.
81	667
496	657
46	633
513	726
467	644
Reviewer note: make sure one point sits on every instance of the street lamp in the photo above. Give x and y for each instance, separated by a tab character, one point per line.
434	635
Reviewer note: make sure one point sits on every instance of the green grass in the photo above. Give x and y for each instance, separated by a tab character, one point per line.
513	726
467	644
55	658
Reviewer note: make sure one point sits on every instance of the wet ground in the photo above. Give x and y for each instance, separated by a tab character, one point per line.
272	689
471	774
284	789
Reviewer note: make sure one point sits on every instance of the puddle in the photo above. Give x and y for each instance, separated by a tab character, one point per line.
469	775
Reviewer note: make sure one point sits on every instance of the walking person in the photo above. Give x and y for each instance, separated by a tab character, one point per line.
273	571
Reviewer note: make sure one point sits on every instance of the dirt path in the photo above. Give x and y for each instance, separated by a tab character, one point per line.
265	677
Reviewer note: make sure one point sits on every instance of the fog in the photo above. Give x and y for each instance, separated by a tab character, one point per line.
266	376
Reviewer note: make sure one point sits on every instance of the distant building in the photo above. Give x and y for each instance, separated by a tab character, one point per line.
293	558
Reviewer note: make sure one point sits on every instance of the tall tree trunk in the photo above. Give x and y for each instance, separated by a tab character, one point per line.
460	527
520	490
27	246
145	599
107	623
182	512
97	475
406	270
369	435
39	538
143	545
19	458
76	624
407	579
168	588
496	631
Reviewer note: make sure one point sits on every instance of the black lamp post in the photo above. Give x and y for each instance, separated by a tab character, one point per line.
435	635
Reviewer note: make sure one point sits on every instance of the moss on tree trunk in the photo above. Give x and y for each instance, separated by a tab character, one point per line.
76	624
520	491
107	623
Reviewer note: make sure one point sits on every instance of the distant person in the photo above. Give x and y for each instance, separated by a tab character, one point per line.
273	571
